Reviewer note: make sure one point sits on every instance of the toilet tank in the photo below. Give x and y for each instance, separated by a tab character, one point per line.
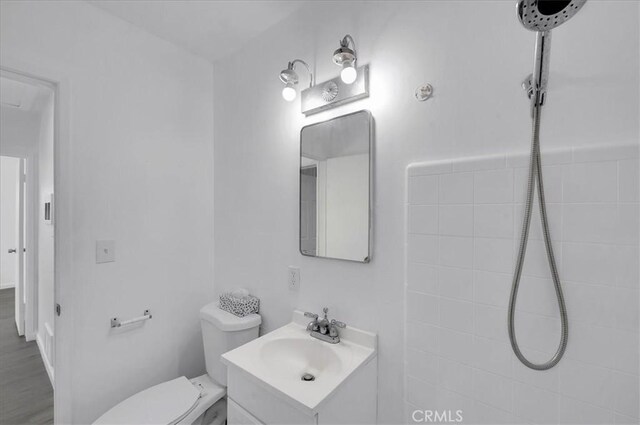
222	332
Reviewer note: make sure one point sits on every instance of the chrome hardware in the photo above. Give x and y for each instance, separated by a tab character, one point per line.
12	251
307	377
424	92
333	328
312	326
527	85
117	323
537	96
324	329
338	324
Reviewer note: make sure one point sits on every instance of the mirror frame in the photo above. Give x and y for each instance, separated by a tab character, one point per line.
371	176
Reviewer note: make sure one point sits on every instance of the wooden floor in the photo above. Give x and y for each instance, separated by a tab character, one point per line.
26	395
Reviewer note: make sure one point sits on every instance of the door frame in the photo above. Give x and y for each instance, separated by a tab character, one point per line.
21	281
14	66
31	243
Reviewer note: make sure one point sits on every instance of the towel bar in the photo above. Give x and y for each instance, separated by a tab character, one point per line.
117	323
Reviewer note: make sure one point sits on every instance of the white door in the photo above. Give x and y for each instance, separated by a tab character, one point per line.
8	215
12	232
20	265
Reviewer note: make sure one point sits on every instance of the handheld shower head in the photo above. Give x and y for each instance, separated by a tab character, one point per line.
545	15
542	16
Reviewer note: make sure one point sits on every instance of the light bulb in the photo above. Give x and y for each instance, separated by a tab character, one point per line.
288	93
348	74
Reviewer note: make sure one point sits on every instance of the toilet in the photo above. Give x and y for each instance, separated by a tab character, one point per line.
197	401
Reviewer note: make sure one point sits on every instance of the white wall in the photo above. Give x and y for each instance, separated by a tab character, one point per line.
475	54
8	220
18	132
45	229
141	156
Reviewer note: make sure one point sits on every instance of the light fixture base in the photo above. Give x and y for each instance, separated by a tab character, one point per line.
344	55
335	92
289	76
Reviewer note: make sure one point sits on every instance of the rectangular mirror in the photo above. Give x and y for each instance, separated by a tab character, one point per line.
335	188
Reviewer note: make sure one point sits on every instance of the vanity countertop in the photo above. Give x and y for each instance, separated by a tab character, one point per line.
278	360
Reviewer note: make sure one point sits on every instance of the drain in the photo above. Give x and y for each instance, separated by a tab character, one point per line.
307	377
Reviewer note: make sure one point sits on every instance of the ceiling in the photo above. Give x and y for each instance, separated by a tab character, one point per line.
209	28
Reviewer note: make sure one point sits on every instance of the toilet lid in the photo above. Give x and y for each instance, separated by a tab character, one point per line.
165	403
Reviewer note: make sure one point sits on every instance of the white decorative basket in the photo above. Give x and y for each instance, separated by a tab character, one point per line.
239	306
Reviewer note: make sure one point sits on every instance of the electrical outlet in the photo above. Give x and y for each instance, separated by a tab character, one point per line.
294	278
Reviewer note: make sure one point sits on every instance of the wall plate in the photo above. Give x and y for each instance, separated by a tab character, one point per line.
332	93
293	278
105	252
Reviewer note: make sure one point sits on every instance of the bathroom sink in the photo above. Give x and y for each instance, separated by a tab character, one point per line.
292	358
304	370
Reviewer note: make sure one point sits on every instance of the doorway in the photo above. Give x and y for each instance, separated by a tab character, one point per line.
27	360
12	234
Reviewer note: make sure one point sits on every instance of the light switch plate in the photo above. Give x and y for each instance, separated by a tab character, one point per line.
105	251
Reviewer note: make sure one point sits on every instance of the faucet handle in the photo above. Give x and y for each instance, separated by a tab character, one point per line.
333	328
338	324
312	326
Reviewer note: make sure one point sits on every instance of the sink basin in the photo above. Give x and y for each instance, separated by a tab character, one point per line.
278	360
291	358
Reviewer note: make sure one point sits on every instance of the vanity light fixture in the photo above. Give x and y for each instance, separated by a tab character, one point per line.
346	57
290	78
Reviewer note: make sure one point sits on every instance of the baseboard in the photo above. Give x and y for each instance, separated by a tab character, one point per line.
8	285
30	336
45	360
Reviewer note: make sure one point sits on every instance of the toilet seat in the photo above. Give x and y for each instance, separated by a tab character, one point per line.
165	403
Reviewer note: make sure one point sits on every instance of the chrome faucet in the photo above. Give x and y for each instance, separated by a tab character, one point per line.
324	329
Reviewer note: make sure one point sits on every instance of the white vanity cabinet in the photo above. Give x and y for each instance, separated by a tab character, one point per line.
265	386
237	415
252	402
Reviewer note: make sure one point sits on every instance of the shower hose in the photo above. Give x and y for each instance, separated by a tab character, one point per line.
535	175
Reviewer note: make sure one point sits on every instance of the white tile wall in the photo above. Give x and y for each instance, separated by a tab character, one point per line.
463	230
